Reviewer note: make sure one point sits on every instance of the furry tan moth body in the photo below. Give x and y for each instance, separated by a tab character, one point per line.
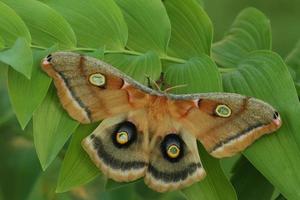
151	134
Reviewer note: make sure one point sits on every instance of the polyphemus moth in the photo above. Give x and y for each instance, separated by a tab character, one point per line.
152	134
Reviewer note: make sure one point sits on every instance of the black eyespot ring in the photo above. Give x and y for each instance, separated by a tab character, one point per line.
124	134
275	115
49	58
172	147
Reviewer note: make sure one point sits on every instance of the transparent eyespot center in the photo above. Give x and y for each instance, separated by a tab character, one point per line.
122	137
97	79
173	151
223	111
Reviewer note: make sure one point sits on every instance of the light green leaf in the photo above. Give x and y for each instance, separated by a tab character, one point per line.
26	95
19	57
250	31
191	29
77	168
148	25
248	182
52	127
196	74
12	26
95	23
215	186
46	26
293	61
137	66
264	75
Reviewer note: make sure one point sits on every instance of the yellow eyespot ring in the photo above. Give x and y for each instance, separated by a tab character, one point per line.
223	111
97	79
122	137
173	151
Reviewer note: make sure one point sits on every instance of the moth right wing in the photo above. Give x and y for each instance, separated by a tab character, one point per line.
226	123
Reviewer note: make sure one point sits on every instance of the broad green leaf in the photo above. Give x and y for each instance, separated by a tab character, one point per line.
52	127
12	26
95	23
198	74
248	182
2	44
148	25
19	57
293	61
250	31
137	66
191	29
264	75
26	95
215	186
46	26
77	168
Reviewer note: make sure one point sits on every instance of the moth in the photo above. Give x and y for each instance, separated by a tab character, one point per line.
149	133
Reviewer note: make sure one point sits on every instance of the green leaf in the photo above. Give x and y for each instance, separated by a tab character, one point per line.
250	31
137	66
12	26
293	61
19	57
264	75
46	26
148	25
248	182
26	95
95	23
215	186
191	29
196	73
2	44
52	127
77	168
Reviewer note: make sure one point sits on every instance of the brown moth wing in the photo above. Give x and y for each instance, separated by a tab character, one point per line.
224	136
121	162
167	173
89	89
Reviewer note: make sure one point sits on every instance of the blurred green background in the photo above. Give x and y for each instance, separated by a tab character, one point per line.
20	173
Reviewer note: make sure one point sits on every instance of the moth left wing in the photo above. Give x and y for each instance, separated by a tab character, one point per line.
119	146
89	89
225	123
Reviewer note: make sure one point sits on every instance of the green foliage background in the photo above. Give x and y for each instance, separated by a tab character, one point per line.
147	37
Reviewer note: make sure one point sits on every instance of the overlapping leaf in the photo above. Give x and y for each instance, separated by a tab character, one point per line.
293	61
46	26
214	186
95	23
198	74
138	67
248	182
19	57
77	168
148	25
250	31
21	90
52	127
191	29
264	75
12	26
